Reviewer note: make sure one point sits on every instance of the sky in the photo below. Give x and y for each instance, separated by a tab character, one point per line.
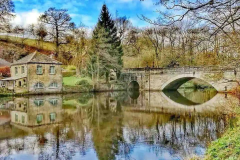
85	11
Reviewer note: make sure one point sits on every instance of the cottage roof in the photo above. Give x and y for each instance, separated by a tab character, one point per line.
35	58
4	63
12	78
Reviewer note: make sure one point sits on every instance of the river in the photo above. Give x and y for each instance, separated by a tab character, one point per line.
113	125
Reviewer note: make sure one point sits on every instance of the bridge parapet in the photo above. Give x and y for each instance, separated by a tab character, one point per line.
221	78
186	69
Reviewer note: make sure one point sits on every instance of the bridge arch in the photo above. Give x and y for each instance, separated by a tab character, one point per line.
175	82
133	85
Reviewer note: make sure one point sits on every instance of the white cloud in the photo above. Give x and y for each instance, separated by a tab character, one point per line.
26	18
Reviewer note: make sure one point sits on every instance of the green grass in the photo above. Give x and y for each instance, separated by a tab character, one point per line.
30	42
228	146
71	81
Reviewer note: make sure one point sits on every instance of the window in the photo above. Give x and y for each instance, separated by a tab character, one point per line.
39	85
16	118
23	119
23	69
54	102
52	70
39	69
39	118
53	85
39	102
52	117
16	70
19	83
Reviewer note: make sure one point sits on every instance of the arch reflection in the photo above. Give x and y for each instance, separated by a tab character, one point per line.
107	126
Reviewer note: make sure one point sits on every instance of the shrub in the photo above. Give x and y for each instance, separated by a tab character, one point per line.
5	71
84	85
71	68
68	74
83	82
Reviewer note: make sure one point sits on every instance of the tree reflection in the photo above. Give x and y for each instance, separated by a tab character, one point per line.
106	124
106	120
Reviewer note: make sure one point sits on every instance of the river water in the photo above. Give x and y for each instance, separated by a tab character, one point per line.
117	125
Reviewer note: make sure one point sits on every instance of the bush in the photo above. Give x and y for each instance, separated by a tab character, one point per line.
5	72
83	82
68	74
71	68
84	85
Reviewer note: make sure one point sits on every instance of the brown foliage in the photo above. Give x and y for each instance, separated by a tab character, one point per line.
5	71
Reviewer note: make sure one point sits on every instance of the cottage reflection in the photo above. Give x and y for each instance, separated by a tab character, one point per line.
107	126
36	111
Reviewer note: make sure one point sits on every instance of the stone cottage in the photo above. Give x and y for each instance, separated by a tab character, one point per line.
36	74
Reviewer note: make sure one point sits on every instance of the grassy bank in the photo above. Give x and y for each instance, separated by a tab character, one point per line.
29	42
228	146
73	80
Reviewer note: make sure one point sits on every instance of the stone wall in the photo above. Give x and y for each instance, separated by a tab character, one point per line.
46	78
20	74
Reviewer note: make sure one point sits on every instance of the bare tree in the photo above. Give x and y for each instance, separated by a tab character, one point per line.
156	35
6	13
81	47
21	33
222	15
123	25
59	23
41	33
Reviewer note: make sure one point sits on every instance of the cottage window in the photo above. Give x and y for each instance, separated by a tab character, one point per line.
39	85
16	118
52	70
19	83
54	102
52	117
53	85
23	69
16	70
39	69
38	102
39	118
23	119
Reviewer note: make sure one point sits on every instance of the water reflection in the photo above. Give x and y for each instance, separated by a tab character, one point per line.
191	96
107	126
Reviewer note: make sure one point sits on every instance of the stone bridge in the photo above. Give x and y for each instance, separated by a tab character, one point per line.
159	79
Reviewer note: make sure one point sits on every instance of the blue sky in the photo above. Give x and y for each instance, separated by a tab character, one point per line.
85	11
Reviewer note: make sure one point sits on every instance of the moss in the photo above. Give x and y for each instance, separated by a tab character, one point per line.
228	146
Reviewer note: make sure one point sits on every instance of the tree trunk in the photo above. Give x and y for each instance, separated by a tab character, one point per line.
78	71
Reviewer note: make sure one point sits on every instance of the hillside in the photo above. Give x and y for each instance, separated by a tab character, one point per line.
10	50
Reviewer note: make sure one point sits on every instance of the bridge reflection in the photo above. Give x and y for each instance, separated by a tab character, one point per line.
115	125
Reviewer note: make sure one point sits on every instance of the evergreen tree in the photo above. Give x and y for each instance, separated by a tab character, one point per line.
106	23
102	60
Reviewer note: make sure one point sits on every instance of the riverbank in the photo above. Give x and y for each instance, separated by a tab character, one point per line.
228	146
81	88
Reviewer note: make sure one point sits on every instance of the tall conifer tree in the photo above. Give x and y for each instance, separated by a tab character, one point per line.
106	22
